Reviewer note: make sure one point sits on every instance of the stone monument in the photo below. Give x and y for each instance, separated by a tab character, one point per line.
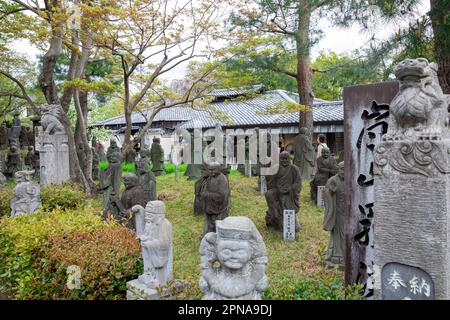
27	194
157	157
334	218
412	188
240	253
154	232
115	165
212	192
147	179
326	168
283	193
52	147
304	155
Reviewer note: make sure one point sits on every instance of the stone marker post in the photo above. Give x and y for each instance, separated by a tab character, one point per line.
412	190
288	225
320	195
263	182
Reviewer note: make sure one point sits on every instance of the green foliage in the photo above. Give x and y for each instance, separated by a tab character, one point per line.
63	197
6	195
170	168
103	165
128	167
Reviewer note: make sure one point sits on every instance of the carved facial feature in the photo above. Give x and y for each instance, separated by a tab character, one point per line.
341	170
325	153
213	170
233	254
285	159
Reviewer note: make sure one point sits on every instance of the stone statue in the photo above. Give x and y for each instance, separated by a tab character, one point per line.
213	193
14	159
154	232
420	106
23	137
157	157
31	159
2	180
133	195
110	209
115	163
130	157
3	137
326	168
15	130
50	122
334	219
283	192
239	250
147	179
27	194
304	155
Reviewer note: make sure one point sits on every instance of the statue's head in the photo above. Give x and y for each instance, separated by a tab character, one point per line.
23	176
238	242
326	153
114	157
30	148
214	169
143	166
155	211
156	140
130	180
113	143
341	169
303	130
285	159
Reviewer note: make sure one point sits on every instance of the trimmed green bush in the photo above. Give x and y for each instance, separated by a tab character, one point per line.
37	249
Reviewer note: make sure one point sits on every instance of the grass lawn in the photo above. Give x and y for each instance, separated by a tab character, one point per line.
295	269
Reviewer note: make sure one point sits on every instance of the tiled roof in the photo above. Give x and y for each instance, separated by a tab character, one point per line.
251	111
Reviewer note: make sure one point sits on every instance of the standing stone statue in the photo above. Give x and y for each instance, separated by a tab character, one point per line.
147	179
239	248
115	163
412	190
154	232
304	155
133	195
23	137
14	131
2	180
14	159
326	168
27	194
213	193
334	219
52	145
283	193
157	157
31	159
3	137
110	208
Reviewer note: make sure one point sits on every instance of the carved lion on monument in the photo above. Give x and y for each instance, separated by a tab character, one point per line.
50	119
420	107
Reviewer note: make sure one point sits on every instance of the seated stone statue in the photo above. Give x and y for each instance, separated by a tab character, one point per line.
14	159
334	219
241	253
283	191
157	157
27	194
212	191
154	232
326	168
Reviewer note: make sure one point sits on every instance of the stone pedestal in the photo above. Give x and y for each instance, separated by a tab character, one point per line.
136	290
320	196
53	158
412	221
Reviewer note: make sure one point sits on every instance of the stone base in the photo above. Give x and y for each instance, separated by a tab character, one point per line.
139	291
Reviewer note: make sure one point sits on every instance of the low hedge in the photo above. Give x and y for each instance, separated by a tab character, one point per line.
36	251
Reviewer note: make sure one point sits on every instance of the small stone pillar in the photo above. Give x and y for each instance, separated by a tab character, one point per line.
412	190
53	158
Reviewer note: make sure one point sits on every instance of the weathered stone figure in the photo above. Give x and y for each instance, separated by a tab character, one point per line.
110	208
31	159
241	253
412	188
334	219
155	236
2	180
14	131
133	195
213	192
49	119
27	194
326	168
147	179
304	155
115	163
3	137
157	157
283	193
14	159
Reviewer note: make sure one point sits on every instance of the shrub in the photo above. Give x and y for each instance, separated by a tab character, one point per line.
128	167
170	167
6	195
64	197
36	251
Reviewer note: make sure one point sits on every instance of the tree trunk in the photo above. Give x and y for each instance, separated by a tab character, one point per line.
305	94
440	20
